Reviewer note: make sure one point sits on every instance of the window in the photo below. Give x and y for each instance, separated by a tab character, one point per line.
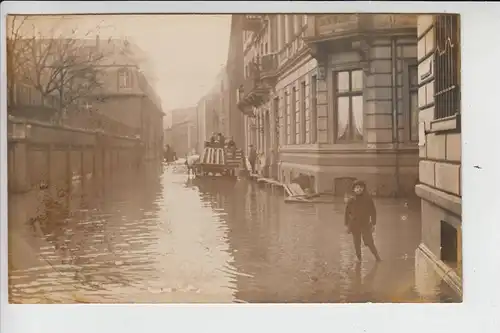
296	117
413	101
447	77
349	105
288	131
276	110
304	122
124	79
313	116
449	244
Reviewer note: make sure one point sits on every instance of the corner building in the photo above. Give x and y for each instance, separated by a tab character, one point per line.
439	189
333	97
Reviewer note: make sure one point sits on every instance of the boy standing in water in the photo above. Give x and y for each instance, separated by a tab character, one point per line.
361	218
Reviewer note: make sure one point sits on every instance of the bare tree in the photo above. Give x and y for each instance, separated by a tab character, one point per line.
60	66
16	50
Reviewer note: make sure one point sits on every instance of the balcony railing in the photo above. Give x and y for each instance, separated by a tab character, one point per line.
252	91
253	23
388	21
326	25
269	65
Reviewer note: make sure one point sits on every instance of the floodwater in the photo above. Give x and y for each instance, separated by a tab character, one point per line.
159	237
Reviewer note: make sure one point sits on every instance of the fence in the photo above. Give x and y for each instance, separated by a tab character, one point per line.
43	154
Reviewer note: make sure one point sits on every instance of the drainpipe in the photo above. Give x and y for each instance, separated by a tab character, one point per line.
395	120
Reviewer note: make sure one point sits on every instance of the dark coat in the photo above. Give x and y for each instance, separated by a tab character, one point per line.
253	155
360	210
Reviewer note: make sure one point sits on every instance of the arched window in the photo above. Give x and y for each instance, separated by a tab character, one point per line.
124	78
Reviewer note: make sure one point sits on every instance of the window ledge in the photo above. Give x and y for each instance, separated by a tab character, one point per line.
444	125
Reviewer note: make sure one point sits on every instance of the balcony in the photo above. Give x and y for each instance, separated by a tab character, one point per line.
256	88
340	26
354	32
253	23
337	24
269	66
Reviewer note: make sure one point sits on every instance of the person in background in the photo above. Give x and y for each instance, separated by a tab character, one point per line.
221	140
231	146
213	139
166	153
252	157
361	218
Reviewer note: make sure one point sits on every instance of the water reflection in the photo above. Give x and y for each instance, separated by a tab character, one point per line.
159	236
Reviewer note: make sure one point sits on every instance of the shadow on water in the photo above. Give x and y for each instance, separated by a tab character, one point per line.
158	236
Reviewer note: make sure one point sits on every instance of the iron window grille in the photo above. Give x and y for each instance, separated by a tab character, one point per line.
447	81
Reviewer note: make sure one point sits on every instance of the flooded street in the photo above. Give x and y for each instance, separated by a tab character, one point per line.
159	237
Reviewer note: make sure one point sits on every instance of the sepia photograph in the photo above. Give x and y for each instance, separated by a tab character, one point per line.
234	158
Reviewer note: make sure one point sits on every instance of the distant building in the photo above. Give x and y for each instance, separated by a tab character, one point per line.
235	76
127	97
217	111
181	132
213	110
122	102
440	149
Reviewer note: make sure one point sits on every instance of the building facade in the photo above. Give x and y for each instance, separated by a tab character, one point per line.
112	94
333	97
126	96
235	77
214	110
440	148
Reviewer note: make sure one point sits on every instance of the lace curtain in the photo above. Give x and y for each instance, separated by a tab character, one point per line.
343	117
344	127
357	114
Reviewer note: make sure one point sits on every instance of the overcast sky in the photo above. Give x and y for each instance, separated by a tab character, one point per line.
186	52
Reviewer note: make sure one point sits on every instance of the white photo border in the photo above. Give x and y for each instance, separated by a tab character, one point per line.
480	24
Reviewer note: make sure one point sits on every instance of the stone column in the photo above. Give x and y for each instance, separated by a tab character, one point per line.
378	97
